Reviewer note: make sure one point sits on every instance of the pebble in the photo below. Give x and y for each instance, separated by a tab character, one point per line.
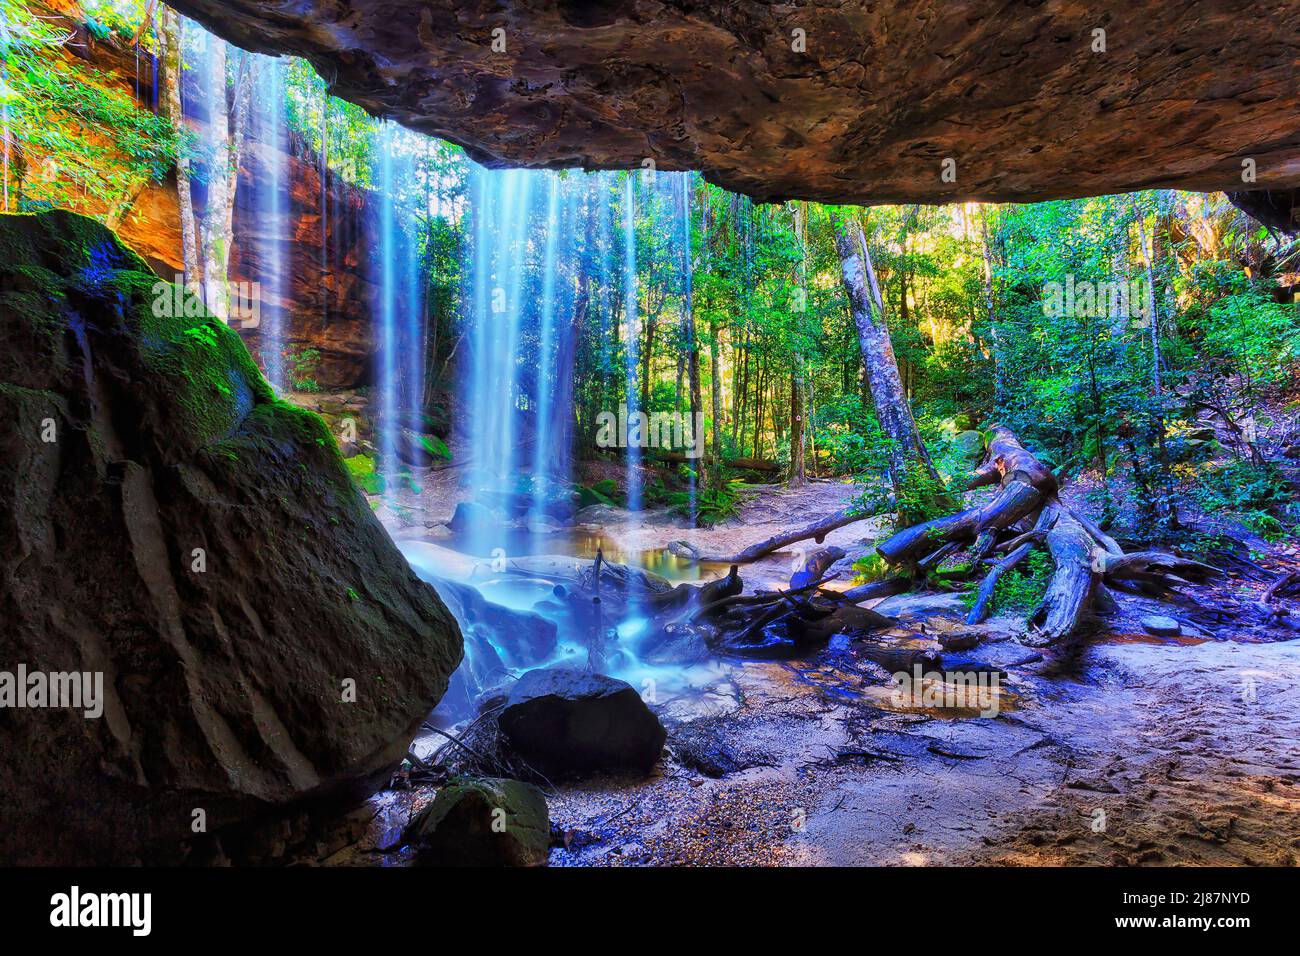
1161	626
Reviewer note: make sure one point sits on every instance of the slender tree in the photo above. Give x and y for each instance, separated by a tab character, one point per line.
919	491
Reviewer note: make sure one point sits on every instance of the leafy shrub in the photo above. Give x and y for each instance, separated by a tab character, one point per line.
435	446
1022	588
1252	492
300	368
868	568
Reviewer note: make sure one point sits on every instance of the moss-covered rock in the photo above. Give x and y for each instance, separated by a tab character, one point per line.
167	522
483	821
969	446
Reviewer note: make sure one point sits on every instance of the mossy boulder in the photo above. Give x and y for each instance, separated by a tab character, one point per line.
969	446
168	523
483	821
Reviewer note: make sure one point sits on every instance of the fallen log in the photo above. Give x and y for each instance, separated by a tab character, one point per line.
886	587
687	596
1284	583
1085	558
815	565
817	531
1073	585
743	464
1026	483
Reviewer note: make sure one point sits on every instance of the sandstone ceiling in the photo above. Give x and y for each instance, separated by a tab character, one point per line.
879	96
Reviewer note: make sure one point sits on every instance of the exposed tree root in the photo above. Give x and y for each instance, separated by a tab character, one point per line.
1085	558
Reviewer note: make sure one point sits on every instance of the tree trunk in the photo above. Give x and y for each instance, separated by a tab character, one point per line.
797	475
917	486
169	37
715	389
999	380
211	231
238	132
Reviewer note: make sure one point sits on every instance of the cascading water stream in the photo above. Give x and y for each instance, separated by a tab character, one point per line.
546	468
389	385
271	221
501	220
546	263
400	369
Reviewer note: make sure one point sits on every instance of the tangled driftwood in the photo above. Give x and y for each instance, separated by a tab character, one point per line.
1027	513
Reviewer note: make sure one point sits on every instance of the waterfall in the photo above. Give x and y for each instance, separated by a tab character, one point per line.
389	386
501	249
271	214
546	464
400	366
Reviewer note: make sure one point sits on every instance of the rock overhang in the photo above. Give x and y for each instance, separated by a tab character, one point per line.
926	101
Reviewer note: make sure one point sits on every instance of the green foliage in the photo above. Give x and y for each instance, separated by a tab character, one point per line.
870	567
80	139
921	497
300	368
1022	588
363	472
603	492
711	505
850	434
435	446
1253	493
719	504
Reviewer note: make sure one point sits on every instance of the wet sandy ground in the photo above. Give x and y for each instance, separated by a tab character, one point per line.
1151	754
1124	749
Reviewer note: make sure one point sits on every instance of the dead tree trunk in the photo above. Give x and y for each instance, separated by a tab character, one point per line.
1027	511
917	486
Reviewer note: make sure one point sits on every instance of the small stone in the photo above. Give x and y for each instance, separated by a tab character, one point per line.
960	640
1161	626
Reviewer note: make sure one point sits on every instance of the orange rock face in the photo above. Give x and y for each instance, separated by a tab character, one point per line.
329	297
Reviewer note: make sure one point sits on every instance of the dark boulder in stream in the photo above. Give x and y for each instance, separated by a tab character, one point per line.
196	546
570	723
